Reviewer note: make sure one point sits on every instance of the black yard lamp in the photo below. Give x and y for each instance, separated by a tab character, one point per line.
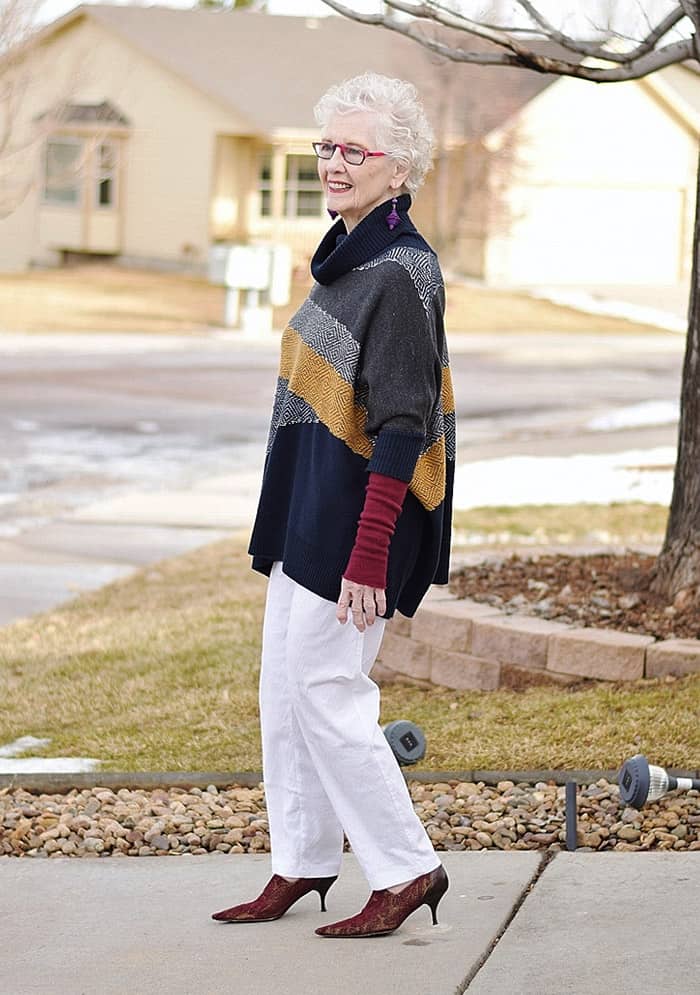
406	740
641	782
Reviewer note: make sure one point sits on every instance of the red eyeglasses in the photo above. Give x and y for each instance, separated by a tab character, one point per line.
350	153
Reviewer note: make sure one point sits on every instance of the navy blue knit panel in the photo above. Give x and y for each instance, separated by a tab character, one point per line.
425	543
311	500
307	518
396	454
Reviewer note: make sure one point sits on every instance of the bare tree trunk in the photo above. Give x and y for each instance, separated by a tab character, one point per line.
677	570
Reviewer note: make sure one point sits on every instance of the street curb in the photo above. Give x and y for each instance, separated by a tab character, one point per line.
62	783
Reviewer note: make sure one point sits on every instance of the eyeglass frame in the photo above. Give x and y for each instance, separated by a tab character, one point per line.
343	149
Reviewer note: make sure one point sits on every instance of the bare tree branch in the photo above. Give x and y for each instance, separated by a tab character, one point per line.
649	42
521	56
566	41
440	15
17	19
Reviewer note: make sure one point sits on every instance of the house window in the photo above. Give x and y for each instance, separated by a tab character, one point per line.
62	171
106	177
302	194
302	191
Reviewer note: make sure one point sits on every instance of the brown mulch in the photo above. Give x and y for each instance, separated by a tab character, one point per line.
605	590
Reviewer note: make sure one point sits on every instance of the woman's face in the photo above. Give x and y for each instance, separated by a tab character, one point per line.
354	191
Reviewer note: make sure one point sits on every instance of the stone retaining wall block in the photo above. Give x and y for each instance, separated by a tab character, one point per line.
464	672
444	625
673	656
603	654
518	640
406	656
399	625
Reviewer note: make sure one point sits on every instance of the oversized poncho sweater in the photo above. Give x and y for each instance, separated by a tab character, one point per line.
364	386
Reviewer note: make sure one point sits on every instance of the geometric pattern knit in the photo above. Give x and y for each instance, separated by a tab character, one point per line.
318	369
364	386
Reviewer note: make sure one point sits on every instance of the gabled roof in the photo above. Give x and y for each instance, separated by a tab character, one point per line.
272	69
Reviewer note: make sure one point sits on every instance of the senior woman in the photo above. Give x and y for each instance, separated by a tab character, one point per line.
354	517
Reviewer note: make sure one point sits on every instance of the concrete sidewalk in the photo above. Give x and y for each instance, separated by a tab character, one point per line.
588	923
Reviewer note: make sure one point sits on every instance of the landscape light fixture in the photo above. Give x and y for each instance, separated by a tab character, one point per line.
641	782
406	740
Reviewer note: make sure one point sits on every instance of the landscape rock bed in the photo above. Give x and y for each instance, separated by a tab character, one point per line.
458	815
602	590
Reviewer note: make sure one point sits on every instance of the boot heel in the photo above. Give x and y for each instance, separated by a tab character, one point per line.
322	888
434	895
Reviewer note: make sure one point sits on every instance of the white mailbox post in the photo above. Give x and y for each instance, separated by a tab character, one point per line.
262	271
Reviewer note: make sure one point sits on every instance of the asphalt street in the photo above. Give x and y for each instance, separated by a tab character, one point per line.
99	433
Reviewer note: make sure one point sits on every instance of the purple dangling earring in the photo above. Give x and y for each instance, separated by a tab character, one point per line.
333	214
392	219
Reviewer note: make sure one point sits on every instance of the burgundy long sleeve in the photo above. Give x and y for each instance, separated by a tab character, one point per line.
369	558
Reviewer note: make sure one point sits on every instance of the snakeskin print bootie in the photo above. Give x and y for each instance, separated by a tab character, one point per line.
385	911
277	896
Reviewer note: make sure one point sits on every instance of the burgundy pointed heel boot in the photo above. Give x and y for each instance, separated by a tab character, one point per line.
277	896
385	911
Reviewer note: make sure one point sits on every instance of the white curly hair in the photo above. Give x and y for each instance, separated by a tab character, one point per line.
403	129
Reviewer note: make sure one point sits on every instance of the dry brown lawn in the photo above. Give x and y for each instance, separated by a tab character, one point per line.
545	524
159	671
102	298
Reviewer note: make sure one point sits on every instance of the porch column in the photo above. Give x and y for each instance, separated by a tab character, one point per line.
279	176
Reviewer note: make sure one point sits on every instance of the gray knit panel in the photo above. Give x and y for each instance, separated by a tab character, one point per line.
451	436
288	409
435	430
329	338
420	266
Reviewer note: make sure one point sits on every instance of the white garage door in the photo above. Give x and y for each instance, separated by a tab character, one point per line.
587	235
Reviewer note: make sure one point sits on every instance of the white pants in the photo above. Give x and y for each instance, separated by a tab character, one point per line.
327	765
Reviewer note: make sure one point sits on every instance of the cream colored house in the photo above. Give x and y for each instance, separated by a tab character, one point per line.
604	192
178	129
149	134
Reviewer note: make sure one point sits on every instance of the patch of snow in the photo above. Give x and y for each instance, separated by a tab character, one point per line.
21	745
40	765
602	478
583	301
49	765
646	413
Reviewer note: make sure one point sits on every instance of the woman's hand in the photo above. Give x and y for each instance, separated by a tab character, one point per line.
365	603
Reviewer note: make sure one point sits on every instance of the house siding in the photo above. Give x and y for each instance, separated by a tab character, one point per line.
167	159
601	193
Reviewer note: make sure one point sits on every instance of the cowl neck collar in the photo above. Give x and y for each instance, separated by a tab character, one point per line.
340	251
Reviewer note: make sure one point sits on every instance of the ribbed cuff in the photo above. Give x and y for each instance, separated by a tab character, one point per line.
396	454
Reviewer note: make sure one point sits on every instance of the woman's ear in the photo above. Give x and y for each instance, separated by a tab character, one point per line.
400	176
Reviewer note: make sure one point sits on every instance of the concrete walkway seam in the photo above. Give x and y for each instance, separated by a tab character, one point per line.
546	859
